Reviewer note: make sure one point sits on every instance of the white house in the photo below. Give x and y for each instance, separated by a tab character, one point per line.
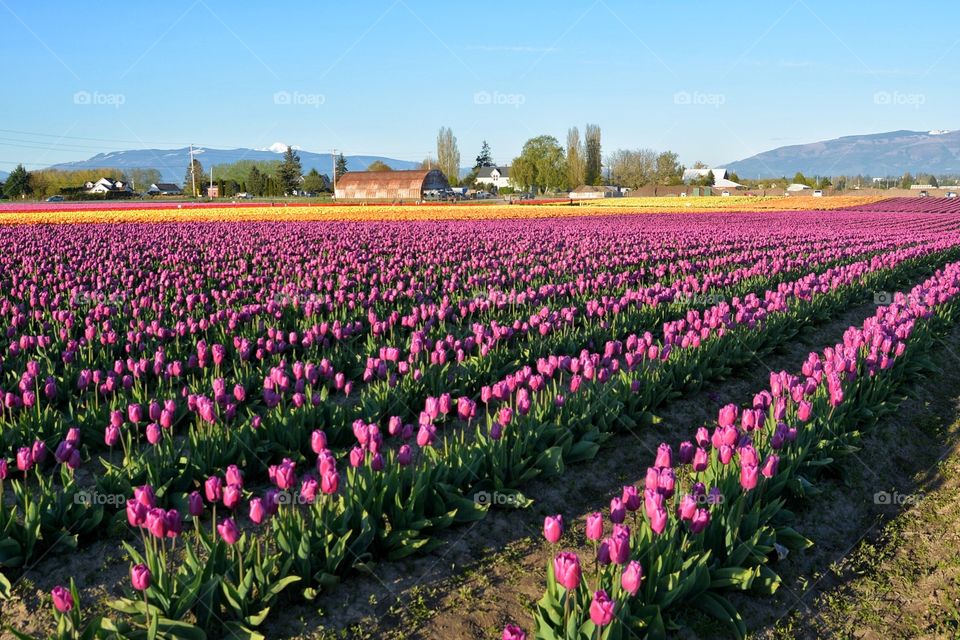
498	177
105	185
164	189
696	174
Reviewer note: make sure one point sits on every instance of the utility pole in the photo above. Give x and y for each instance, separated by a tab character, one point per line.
193	177
335	174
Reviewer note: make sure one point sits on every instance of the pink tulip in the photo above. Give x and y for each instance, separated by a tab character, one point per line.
632	577
553	528
602	609
228	531
566	570
62	599
140	577
595	526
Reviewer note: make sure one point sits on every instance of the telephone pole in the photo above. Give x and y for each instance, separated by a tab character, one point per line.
193	177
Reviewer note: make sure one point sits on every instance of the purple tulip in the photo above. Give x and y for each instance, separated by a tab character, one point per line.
513	632
195	504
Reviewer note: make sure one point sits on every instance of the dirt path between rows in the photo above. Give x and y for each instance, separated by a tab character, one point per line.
491	572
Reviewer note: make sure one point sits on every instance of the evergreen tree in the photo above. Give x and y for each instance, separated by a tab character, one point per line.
341	165
289	171
485	159
18	183
255	182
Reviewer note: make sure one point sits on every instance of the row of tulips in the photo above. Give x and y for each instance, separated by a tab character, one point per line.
534	443
712	516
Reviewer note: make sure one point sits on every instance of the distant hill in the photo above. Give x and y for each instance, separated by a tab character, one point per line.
172	163
879	154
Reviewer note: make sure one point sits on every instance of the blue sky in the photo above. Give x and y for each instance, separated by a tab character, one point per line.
713	81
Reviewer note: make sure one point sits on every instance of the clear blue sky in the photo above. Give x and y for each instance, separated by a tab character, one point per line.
713	81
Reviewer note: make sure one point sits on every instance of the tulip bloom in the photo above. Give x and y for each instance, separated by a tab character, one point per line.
258	513
770	466
602	609
632	577
595	526
553	528
658	521
618	511
566	570
513	632
140	577
231	496
318	441
62	599
213	488
748	476
699	521
195	504
329	482
228	531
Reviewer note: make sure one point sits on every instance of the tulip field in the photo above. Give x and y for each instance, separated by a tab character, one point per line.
254	411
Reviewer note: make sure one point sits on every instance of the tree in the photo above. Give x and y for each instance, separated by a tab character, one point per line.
709	179
429	163
575	159
379	165
193	179
18	183
593	165
256	184
632	168
699	165
540	165
484	159
313	182
341	166
824	183
906	181
289	171
448	155
669	171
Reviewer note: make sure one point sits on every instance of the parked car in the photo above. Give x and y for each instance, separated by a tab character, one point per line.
924	194
243	195
818	193
55	199
951	194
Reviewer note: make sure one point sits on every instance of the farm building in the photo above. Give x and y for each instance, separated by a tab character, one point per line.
498	177
389	185
589	192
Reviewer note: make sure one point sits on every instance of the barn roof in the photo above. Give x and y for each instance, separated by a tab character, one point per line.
393	178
